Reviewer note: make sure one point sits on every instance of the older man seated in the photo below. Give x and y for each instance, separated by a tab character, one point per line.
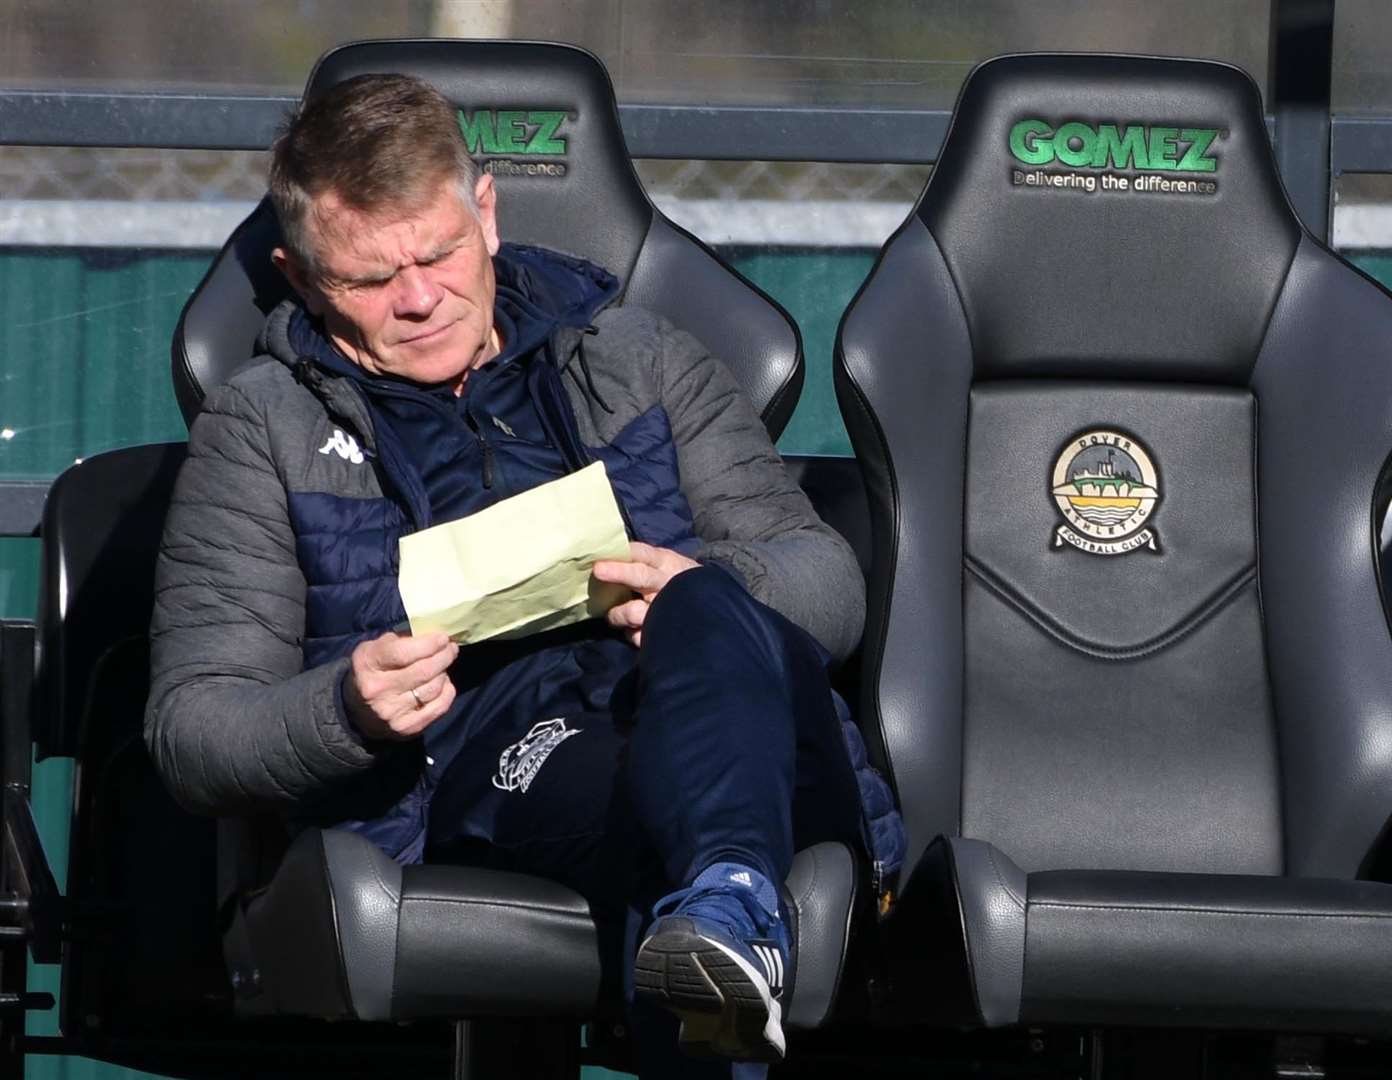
666	760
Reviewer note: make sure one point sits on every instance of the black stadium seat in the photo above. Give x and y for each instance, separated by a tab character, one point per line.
327	927
581	196
1125	429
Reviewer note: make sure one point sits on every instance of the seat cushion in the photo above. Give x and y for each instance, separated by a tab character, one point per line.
1134	947
343	931
1209	950
487	942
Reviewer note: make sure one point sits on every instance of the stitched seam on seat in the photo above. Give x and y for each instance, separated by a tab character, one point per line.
1277	297
872	422
811	882
377	873
501	904
1209	911
1019	901
1206	610
951	272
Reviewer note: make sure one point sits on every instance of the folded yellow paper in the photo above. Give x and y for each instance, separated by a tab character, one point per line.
519	567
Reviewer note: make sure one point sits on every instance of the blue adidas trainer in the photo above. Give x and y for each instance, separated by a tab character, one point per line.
718	957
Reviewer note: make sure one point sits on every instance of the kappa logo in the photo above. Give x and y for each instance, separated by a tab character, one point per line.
345	446
1106	487
520	762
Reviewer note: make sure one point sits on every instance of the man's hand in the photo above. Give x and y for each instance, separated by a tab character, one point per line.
650	570
398	685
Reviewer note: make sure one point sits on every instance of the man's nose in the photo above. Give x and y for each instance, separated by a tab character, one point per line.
416	292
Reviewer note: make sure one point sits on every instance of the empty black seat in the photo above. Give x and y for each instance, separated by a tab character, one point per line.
1125	429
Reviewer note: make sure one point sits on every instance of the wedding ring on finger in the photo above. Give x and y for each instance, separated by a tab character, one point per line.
417	697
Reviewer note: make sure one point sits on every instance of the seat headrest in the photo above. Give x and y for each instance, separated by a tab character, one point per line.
543	121
1111	215
541	118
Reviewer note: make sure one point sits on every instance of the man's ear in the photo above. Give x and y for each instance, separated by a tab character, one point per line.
298	276
486	198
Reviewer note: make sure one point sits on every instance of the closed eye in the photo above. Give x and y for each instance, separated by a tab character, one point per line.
438	256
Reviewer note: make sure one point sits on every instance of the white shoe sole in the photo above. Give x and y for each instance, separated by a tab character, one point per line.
722	1000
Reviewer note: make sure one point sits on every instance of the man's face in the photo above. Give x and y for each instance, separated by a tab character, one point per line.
407	293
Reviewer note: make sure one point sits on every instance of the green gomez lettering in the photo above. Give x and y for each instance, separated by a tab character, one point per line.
1079	145
513	131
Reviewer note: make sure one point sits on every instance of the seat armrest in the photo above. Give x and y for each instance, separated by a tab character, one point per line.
479	942
823	886
343	931
281	942
991	892
957	937
320	939
366	888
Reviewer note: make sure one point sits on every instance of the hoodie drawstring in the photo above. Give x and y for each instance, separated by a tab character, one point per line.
589	379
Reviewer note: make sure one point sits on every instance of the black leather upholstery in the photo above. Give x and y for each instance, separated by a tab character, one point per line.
1122	754
1171	765
752	339
217	329
283	943
1139	284
102	524
1209	950
342	931
912	711
1323	380
594	207
992	893
367	889
823	889
963	906
485	942
1187	950
157	952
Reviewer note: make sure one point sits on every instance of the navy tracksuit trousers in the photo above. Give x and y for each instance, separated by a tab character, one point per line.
722	744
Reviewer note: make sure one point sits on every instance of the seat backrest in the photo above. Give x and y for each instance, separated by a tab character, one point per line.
540	118
1122	422
141	872
144	982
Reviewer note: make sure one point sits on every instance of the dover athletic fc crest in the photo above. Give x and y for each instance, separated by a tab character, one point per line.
1106	488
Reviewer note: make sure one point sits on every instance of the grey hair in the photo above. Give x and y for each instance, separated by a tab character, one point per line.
375	141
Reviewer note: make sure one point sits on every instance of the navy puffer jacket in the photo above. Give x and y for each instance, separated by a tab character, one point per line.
304	471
